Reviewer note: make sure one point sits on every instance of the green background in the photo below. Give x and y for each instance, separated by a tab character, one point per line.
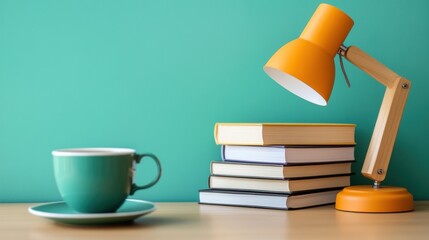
157	75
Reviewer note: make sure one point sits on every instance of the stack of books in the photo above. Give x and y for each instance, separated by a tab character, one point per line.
280	166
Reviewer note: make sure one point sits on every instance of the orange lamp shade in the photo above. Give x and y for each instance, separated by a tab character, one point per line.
305	66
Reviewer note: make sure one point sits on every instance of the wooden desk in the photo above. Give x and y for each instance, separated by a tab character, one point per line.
193	221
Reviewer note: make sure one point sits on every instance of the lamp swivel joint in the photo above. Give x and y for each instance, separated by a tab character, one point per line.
343	50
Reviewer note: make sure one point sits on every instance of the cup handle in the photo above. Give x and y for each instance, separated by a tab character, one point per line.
138	158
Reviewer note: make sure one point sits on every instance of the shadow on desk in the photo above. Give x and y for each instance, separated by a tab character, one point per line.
140	223
146	226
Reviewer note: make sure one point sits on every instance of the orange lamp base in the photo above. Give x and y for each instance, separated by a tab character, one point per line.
374	200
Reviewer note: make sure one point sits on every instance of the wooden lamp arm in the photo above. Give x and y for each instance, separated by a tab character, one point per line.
386	128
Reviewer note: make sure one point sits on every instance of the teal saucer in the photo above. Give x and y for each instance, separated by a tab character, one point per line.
61	213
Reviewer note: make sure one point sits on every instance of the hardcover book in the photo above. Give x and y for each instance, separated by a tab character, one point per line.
267	200
287	154
263	134
286	186
277	171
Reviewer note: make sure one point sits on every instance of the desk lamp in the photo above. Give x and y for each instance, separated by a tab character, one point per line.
305	67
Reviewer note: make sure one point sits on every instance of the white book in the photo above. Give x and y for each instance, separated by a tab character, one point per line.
288	154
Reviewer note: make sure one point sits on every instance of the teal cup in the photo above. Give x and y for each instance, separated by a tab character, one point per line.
98	180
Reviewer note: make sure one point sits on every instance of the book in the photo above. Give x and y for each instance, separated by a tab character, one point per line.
267	200
286	186
272	171
262	134
287	154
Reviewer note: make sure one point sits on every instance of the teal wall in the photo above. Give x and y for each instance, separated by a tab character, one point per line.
157	75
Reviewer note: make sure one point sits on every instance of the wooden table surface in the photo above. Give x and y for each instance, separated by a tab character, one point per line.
194	221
